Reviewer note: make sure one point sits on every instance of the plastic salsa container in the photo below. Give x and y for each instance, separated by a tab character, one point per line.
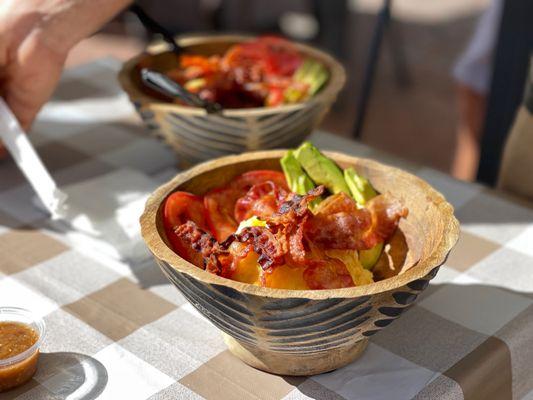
21	335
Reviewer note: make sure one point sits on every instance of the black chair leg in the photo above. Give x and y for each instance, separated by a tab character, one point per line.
383	20
510	67
399	59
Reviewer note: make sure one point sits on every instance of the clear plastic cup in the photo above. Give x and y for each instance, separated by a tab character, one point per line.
18	369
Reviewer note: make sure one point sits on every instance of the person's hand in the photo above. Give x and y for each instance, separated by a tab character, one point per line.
35	38
30	61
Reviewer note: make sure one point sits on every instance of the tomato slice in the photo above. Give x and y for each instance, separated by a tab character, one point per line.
281	56
244	182
220	204
179	208
275	97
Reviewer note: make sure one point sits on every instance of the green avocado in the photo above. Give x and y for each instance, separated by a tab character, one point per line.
321	169
362	191
297	179
370	257
360	188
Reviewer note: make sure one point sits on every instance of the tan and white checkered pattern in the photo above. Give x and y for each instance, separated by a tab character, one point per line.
117	329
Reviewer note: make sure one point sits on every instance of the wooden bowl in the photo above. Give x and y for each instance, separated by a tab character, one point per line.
306	332
198	136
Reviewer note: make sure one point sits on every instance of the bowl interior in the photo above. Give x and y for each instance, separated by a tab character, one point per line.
161	59
421	243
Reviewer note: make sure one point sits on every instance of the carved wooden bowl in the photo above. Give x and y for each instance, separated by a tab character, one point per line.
306	332
197	136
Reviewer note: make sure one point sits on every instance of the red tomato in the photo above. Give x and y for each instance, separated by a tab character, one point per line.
268	55
219	204
244	182
275	97
281	56
179	208
205	64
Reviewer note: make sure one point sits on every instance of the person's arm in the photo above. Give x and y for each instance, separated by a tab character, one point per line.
35	39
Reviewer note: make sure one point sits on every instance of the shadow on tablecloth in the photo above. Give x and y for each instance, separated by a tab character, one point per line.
71	375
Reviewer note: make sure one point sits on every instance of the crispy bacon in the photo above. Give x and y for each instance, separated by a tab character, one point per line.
262	200
263	242
288	224
339	224
295	207
328	273
297	251
386	213
201	248
293	230
281	242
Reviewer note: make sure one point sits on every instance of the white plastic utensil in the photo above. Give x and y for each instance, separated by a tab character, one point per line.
17	143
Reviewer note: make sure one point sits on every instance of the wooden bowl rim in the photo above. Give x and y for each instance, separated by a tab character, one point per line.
161	251
333	86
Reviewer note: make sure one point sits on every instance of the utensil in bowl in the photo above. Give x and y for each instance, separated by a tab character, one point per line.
153	26
196	135
306	332
158	81
166	86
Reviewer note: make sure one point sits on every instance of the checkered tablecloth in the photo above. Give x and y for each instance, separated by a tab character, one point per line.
117	329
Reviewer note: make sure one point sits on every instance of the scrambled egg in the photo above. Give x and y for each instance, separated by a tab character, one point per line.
252	221
248	270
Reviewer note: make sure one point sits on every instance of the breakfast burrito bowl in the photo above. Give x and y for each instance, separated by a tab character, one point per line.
308	331
196	135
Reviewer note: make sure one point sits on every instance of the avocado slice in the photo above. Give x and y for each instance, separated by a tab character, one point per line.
362	191
360	188
369	258
321	169
297	179
299	182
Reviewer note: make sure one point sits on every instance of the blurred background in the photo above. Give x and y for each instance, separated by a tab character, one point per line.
415	108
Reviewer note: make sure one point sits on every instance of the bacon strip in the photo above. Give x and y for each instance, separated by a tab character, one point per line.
288	224
339	224
386	212
200	247
282	239
264	243
295	207
262	200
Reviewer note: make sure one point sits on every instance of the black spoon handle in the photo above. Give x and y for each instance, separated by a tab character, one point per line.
158	81
154	27
163	84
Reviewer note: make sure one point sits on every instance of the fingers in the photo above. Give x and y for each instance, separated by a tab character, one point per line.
31	80
24	110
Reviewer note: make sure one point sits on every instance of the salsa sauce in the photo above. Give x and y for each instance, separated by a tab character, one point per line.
15	338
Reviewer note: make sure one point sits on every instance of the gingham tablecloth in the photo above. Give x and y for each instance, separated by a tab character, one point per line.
118	330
